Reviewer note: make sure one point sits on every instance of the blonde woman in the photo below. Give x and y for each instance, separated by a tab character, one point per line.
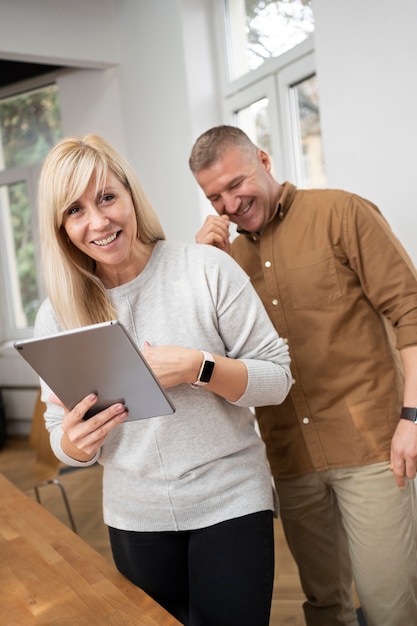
188	498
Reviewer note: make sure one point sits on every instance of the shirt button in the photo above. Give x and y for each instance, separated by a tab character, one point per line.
268	263
284	339
275	302
305	420
293	381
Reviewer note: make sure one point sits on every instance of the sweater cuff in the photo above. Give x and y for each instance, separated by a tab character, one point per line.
56	437
266	385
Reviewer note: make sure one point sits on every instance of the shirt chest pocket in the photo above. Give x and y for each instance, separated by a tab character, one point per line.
312	279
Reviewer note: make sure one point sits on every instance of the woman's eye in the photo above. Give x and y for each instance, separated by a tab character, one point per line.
108	197
72	210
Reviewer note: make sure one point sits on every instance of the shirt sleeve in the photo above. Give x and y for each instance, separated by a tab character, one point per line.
387	274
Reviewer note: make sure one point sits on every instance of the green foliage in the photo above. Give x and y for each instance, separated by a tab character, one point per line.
30	124
24	249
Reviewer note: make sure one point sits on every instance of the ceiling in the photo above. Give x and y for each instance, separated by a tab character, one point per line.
15	71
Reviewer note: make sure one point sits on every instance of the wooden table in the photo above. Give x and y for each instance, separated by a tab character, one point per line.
49	575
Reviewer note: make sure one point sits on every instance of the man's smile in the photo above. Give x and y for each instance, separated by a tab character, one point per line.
245	209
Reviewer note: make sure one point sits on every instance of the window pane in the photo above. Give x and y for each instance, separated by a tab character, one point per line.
254	120
261	29
17	235
30	124
309	142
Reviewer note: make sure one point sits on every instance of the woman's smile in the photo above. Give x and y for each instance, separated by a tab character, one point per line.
107	240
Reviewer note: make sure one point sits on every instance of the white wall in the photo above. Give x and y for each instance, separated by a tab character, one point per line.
148	81
168	82
366	63
81	32
91	103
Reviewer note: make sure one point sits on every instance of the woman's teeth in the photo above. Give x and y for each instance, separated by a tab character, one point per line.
104	242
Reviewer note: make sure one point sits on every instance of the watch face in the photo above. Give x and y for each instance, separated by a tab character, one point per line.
207	371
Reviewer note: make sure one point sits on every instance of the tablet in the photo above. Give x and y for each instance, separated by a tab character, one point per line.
101	359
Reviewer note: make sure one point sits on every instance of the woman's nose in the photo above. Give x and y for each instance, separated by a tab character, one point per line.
97	219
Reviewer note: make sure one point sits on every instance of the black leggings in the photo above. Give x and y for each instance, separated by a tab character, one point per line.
216	576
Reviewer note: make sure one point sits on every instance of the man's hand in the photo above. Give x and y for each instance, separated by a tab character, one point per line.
404	441
215	232
404	451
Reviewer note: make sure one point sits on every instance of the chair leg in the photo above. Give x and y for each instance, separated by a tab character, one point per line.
55	481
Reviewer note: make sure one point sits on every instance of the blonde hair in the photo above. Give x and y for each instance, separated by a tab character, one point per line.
77	295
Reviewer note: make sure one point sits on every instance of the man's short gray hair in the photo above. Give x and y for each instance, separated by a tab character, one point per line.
211	145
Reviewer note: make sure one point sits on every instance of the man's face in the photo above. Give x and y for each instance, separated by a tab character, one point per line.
241	186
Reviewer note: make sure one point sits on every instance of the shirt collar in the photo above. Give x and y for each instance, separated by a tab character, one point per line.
280	211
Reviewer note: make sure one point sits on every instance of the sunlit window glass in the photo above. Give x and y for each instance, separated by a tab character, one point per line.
308	143
261	29
30	124
18	246
255	121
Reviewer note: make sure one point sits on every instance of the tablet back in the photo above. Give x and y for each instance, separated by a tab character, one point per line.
100	359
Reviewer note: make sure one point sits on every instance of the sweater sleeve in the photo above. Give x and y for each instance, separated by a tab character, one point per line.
248	335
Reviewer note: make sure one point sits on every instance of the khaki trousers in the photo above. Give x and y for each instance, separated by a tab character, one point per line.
353	523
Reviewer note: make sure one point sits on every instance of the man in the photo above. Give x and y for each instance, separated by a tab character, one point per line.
338	284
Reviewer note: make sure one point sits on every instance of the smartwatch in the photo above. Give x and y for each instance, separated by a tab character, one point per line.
409	413
206	370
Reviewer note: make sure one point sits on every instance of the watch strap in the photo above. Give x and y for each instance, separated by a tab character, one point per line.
409	413
206	370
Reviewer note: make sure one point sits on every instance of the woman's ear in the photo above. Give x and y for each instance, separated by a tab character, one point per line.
64	234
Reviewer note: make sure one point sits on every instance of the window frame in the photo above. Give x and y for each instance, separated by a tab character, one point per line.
278	88
293	74
263	88
28	174
274	80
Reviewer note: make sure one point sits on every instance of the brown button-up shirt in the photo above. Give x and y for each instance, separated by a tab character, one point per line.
340	287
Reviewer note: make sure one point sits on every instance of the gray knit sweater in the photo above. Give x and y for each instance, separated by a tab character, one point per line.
205	463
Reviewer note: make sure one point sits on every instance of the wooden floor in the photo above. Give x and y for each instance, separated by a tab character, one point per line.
83	487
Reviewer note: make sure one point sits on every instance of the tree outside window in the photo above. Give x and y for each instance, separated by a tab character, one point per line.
30	124
263	29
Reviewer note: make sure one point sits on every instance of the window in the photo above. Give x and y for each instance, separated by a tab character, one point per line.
255	119
252	110
271	88
262	29
307	138
30	124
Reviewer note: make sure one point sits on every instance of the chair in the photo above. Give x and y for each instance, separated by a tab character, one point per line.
47	465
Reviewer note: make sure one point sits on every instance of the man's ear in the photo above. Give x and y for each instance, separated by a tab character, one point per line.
265	160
